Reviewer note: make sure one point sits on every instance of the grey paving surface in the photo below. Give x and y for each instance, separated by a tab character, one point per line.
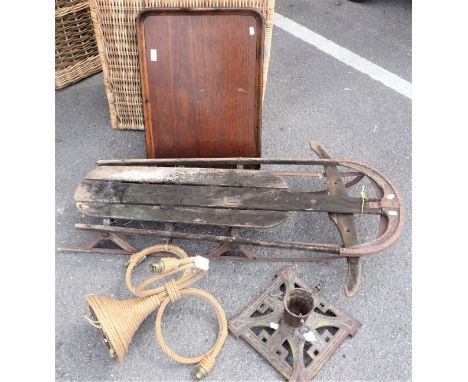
379	30
306	98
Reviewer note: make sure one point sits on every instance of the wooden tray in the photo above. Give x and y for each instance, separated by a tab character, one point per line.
201	74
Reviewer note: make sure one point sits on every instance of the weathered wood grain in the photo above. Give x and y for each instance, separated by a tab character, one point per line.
189	176
245	198
193	215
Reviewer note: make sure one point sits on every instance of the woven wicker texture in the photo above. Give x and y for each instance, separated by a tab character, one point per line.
76	53
115	29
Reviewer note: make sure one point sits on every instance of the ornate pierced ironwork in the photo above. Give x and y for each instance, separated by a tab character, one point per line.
297	353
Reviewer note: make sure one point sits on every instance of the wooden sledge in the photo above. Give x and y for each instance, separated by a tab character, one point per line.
163	191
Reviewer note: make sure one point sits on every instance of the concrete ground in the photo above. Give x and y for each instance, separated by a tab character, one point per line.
309	95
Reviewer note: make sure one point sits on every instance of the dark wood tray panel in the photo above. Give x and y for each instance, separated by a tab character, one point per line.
201	81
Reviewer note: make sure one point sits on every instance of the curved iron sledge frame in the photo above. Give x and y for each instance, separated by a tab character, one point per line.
391	221
390	226
388	201
391	218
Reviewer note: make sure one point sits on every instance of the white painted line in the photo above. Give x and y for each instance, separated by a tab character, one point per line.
344	55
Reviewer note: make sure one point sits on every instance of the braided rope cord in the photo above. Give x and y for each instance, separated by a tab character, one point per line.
172	291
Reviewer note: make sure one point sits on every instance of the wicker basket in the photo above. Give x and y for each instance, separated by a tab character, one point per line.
76	53
115	29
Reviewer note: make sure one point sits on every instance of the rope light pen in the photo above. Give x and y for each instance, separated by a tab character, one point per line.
118	320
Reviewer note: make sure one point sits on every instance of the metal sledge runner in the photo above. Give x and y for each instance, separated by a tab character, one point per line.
173	191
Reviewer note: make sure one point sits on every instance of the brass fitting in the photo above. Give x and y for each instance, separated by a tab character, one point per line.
205	366
201	373
157	267
166	264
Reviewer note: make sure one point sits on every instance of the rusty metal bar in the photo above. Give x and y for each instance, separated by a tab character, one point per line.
237	240
217	161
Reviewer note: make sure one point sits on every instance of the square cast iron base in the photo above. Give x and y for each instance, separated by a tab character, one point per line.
296	355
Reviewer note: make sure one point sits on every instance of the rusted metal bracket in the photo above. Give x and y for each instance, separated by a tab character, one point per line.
296	351
93	245
227	247
344	222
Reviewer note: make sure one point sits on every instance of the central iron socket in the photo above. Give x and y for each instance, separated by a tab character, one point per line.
298	304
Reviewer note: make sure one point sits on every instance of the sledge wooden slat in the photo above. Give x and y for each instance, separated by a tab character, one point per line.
201	76
189	176
246	198
193	215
